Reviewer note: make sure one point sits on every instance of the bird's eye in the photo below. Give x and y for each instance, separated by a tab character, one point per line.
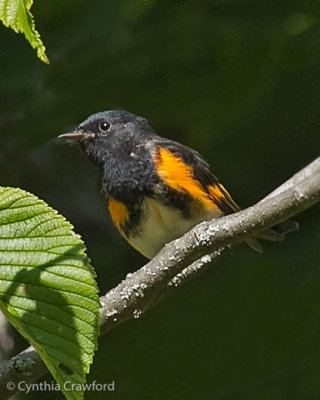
104	126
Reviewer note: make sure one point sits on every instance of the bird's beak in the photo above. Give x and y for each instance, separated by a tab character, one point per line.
77	136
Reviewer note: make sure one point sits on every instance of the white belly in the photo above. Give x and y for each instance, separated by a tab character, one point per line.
161	225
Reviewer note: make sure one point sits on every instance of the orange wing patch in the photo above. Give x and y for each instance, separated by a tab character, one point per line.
119	212
179	176
222	197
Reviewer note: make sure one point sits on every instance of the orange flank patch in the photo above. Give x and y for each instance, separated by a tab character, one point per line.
220	195
119	212
179	176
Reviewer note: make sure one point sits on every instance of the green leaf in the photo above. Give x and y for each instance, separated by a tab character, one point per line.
16	15
47	286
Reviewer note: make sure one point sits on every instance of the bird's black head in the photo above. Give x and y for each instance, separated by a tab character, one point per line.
109	132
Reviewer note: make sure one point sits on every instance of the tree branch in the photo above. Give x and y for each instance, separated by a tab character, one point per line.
183	259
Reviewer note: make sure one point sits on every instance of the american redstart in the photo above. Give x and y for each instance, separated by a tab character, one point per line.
157	189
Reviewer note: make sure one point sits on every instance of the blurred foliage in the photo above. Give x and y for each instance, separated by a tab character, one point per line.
239	81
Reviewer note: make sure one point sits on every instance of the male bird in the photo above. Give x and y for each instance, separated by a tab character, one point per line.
157	189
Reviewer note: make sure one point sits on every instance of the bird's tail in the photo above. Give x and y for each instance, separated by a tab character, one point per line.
274	234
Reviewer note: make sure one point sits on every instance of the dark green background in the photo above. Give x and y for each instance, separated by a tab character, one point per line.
237	80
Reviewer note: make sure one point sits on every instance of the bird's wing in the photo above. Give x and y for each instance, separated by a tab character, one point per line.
185	169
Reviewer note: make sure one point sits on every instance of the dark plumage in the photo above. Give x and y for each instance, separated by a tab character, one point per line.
157	188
